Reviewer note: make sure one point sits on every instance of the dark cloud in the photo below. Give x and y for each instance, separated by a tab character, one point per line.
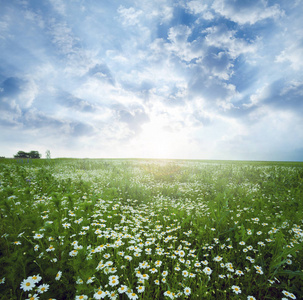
102	72
68	100
217	62
141	89
285	96
133	118
81	129
211	89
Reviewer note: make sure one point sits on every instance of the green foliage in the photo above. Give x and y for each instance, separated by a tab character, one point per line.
76	216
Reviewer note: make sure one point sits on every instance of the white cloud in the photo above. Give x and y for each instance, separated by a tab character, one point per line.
219	36
292	55
196	7
129	16
246	12
59	6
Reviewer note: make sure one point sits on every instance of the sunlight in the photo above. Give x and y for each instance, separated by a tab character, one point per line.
156	142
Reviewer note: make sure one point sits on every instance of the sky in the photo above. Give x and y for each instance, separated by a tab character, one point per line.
219	79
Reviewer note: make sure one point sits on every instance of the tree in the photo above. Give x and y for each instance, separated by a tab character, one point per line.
48	154
32	154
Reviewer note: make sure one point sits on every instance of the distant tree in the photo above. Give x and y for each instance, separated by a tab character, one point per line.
48	154
21	154
32	154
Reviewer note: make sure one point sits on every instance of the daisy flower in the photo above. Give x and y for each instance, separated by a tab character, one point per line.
27	284
251	298
207	270
236	289
122	289
81	297
187	291
43	288
36	278
99	294
141	288
33	297
58	275
133	296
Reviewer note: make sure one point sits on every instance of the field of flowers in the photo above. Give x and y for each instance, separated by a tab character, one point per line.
150	229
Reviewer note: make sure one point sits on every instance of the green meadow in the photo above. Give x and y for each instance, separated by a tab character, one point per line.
150	229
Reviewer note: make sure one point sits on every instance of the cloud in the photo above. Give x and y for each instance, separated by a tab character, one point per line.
134	118
129	16
102	72
221	37
75	103
246	12
20	90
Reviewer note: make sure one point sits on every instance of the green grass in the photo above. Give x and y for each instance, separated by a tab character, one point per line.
217	229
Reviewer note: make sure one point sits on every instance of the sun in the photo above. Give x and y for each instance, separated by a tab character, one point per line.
155	142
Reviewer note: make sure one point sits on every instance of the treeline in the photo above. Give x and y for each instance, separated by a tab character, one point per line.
31	154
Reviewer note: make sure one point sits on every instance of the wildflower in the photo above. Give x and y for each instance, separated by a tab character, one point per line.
157	282
251	298
242	243
207	270
164	273
33	297
50	248
185	273
43	288
168	294
140	288
158	263
239	273
113	281
27	284
133	296
2	280
36	278
236	289
187	291
79	281
66	225
290	295
38	236
145	276
58	275
81	297
90	280
99	294
36	248
122	289
153	270
73	253
218	258
16	243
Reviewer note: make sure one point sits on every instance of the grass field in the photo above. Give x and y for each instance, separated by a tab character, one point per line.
150	229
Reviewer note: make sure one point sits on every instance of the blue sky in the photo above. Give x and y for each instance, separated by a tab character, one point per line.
219	79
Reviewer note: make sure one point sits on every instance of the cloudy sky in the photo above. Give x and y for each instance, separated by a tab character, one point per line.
219	79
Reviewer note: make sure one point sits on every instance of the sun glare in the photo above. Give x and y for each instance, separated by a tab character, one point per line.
156	142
